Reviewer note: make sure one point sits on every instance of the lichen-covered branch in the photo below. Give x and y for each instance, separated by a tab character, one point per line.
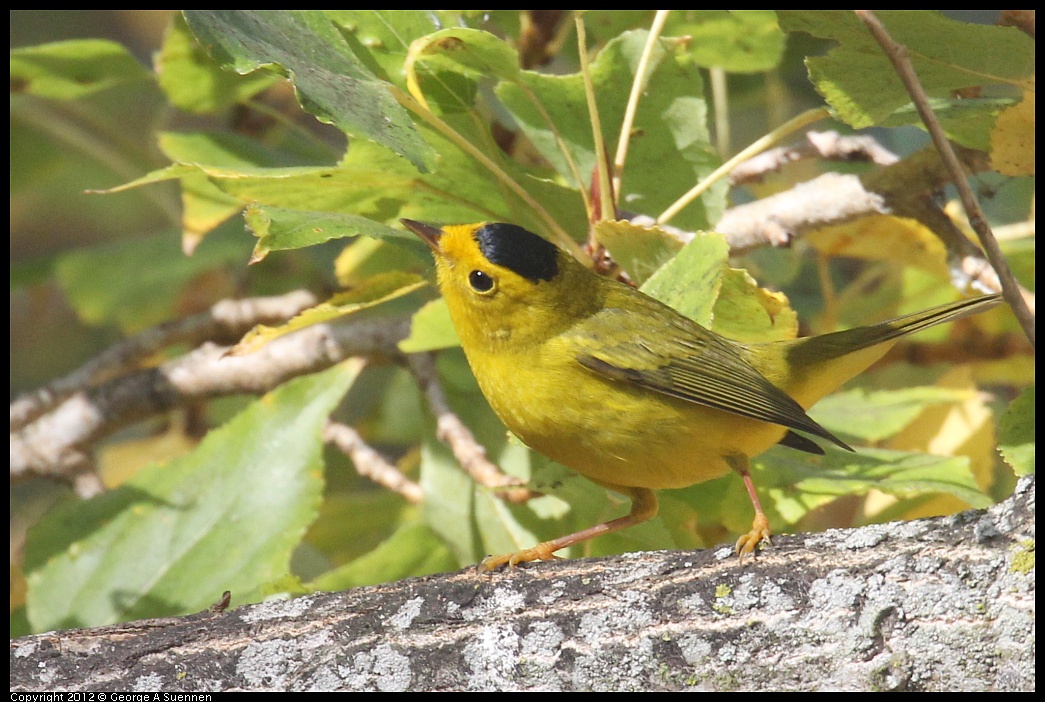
944	604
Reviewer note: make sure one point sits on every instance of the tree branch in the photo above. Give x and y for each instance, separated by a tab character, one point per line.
59	443
225	322
827	146
941	604
371	464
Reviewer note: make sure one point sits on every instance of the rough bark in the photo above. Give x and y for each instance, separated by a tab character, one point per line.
941	604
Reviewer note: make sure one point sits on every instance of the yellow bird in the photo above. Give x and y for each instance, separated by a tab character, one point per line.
625	390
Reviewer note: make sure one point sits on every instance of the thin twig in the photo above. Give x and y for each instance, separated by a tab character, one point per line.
607	207
455	434
637	86
225	322
828	146
897	54
371	464
58	443
760	145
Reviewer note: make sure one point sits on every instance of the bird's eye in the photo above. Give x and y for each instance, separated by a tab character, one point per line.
480	282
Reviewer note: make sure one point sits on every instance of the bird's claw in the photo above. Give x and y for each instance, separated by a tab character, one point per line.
749	542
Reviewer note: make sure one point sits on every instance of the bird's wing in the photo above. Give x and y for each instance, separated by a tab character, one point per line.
679	358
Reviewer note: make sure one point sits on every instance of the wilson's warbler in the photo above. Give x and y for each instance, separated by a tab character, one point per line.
625	390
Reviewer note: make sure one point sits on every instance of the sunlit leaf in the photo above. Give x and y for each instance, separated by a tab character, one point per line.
690	282
331	81
637	249
170	541
876	415
670	148
1016	433
431	329
739	41
859	82
194	82
377	290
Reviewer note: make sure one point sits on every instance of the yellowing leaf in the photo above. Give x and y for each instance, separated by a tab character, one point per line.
960	429
379	289
1012	141
121	461
883	238
746	312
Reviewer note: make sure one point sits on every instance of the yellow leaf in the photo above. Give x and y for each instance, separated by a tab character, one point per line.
121	461
746	312
1012	140
883	238
961	429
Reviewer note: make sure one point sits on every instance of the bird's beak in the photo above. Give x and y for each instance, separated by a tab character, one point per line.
429	234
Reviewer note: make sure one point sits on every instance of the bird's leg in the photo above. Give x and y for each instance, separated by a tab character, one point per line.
643	507
760	526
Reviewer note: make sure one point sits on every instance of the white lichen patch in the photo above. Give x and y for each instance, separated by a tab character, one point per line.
277	609
406	614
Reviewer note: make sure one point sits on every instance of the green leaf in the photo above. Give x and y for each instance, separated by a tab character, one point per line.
193	81
381	38
637	249
469	51
798	483
69	70
968	121
739	41
860	83
1016	433
747	312
280	229
690	282
332	83
446	64
413	550
431	329
225	517
670	150
137	283
877	415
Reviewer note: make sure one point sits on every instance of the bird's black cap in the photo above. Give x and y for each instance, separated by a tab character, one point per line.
518	250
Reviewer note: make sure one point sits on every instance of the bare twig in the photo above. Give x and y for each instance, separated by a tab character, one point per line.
897	54
225	322
57	443
828	146
904	189
758	146
371	464
453	432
